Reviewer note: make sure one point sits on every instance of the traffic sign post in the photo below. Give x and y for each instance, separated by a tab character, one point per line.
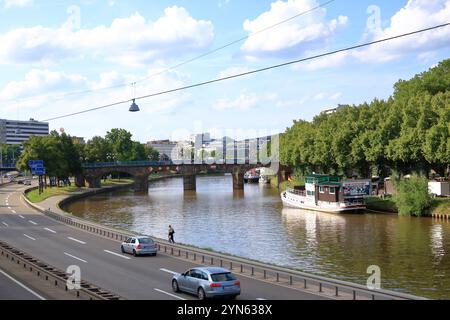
37	168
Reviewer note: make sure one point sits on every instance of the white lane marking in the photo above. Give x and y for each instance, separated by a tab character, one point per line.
69	255
22	285
76	240
261	299
169	271
32	222
31	238
169	294
116	254
13	211
9	207
50	230
21	216
5	224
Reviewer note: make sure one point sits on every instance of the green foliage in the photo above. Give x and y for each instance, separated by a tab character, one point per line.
412	196
61	157
409	132
117	146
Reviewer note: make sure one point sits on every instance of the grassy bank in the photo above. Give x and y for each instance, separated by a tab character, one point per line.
377	204
35	197
439	205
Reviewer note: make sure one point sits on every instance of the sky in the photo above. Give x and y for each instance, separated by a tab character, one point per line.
60	57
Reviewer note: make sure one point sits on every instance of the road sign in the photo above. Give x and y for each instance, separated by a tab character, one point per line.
38	171
36	164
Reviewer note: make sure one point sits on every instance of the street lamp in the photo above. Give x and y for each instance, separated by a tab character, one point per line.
134	107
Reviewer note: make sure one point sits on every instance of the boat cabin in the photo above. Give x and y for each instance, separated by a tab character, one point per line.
323	188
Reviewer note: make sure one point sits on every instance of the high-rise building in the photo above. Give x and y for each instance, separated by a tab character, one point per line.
16	132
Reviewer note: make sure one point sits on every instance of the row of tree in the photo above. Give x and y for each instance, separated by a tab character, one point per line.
409	132
9	153
63	155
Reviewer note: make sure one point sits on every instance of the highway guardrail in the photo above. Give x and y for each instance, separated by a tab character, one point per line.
54	276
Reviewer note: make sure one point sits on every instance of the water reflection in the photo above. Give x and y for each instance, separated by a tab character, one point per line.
411	252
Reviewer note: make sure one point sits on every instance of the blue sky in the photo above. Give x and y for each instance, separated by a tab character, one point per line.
51	49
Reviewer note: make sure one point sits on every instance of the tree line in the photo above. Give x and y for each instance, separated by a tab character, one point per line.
63	155
409	132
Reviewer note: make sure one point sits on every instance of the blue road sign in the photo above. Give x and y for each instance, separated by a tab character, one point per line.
36	163
38	171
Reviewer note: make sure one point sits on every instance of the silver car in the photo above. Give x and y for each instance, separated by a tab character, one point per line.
139	246
207	283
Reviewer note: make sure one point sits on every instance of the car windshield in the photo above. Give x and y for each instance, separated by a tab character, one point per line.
222	277
145	241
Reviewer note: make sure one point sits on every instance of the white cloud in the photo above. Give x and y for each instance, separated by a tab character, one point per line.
417	14
17	3
132	41
336	96
243	102
291	38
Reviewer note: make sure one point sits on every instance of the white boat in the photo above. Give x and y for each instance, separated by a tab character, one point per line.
328	194
264	180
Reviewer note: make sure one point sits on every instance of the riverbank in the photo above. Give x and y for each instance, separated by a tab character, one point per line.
438	205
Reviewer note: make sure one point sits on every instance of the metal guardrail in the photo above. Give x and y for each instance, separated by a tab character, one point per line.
294	279
52	275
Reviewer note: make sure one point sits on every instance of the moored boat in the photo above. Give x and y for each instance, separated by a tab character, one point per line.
328	194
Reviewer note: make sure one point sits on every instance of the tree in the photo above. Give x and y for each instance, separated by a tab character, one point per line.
97	150
120	144
412	196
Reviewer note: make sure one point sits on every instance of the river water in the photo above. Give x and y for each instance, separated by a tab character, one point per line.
411	252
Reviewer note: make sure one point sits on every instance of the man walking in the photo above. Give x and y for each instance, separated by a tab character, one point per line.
171	232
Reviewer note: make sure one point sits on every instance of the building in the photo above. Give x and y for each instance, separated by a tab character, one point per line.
16	132
334	110
166	148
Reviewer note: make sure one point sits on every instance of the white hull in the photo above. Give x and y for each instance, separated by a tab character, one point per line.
303	202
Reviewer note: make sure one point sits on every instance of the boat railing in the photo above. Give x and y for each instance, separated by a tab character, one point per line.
297	192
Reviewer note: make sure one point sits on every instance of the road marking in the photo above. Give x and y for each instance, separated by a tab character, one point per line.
21	216
22	285
116	254
169	271
49	230
169	294
76	240
261	299
13	211
9	207
32	222
31	238
69	255
5	224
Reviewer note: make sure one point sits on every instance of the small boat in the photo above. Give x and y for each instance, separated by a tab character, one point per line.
328	194
252	176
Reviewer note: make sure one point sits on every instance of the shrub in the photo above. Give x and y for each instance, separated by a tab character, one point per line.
412	197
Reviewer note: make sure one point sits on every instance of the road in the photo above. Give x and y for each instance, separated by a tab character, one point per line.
13	289
100	259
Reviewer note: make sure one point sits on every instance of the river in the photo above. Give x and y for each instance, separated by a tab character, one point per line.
411	252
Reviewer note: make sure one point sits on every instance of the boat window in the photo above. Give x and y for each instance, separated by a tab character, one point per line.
311	193
321	189
332	190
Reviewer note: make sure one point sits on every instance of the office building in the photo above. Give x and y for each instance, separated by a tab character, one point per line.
16	132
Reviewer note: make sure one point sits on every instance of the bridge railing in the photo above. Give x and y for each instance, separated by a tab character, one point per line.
165	163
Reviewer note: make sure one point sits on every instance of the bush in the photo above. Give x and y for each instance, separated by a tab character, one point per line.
412	196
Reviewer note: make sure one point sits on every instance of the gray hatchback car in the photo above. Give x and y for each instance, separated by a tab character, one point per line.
207	283
139	246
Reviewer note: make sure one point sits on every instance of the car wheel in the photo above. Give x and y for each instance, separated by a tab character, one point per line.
175	287
134	253
201	294
123	250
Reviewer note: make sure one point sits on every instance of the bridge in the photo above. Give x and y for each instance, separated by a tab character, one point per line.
141	170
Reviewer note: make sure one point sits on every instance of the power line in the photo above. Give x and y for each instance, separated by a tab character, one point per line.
189	60
257	70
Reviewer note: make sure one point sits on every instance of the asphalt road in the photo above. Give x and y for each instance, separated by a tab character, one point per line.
102	263
13	289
